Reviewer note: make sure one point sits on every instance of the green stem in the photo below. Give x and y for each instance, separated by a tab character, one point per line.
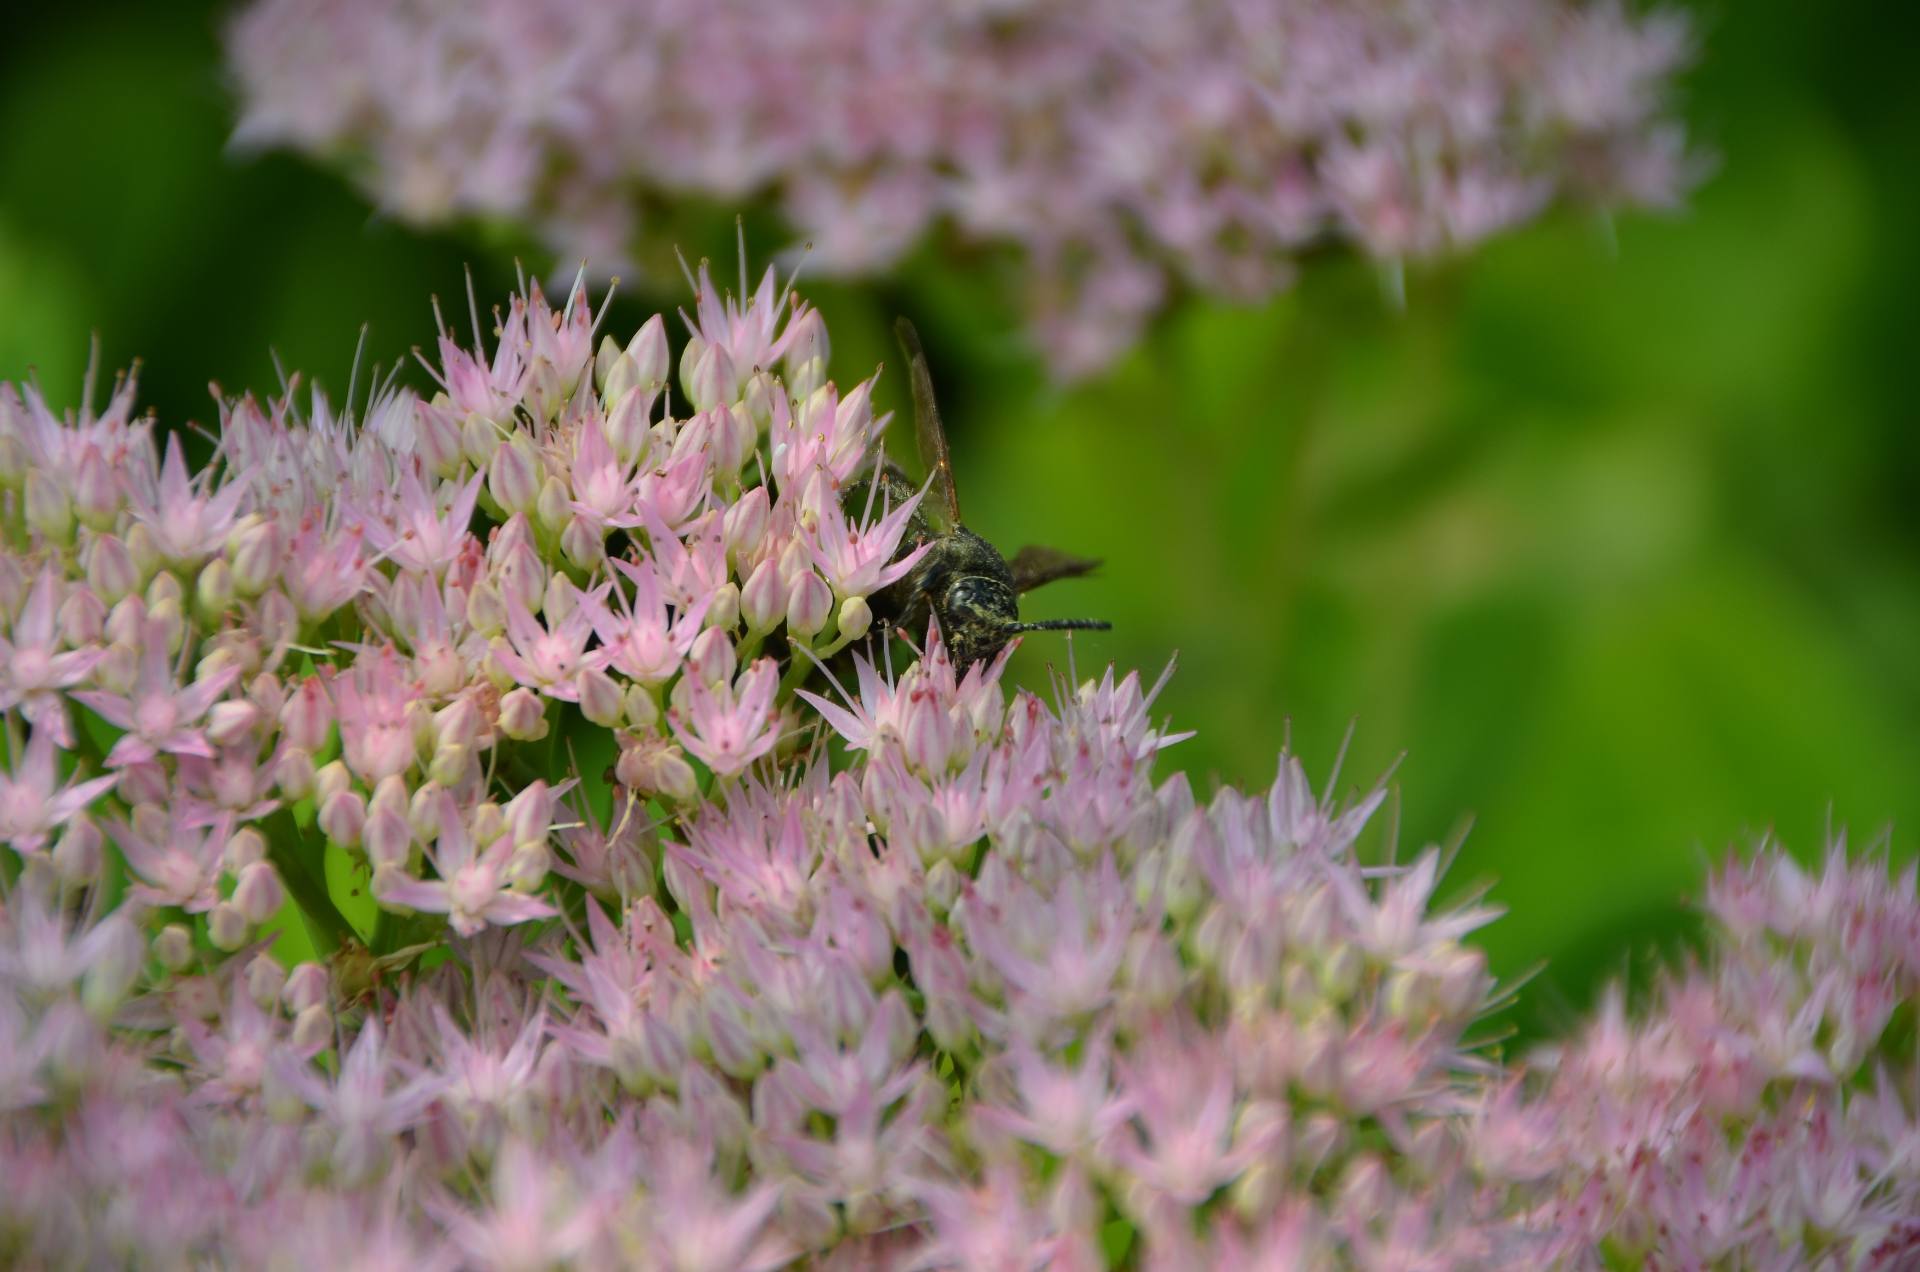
298	859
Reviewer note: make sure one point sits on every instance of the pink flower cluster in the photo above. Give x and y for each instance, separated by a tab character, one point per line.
659	928
1124	148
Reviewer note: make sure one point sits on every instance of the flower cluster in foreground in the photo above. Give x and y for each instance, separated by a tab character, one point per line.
1125	148
656	927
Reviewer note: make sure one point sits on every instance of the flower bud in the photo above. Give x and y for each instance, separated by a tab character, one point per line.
243	848
258	893
514	474
388	838
76	854
546	390
600	698
312	1028
227	928
486	609
173	946
265	979
423	812
111	573
583	544
523	716
856	616
480	438
708	375
648	349
48	510
307	717
604	359
82	619
306	987
732	441
253	549
342	816
119	950
763	601
724	611
229	722
293	773
437	438
213	590
809	602
449	763
642	711
330	781
629	429
553	506
527	867
745	523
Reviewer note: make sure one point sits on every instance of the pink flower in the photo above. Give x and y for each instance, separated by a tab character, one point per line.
35	665
473	888
423	537
187	524
32	802
375	701
728	726
160	716
176	863
549	658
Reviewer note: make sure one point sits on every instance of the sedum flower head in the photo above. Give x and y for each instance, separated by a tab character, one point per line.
1122	151
658	926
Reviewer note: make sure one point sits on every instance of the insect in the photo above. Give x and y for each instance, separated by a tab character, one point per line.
970	588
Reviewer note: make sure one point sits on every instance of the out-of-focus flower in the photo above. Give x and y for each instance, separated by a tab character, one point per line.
1124	150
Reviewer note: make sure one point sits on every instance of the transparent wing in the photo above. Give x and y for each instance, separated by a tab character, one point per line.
942	504
1034	566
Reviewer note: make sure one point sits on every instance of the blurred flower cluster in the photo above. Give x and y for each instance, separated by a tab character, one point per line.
1122	150
660	925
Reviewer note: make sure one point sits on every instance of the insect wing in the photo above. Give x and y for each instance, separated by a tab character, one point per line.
943	502
1036	565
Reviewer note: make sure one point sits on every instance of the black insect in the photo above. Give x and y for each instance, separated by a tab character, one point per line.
971	589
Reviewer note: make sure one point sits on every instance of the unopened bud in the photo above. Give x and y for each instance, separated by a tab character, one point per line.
763	601
480	438
583	544
514	473
809	602
294	774
312	1028
553	506
724	611
648	349
330	781
258	894
48	510
600	698
76	854
228	722
527	867
227	928
244	847
265	979
523	717
641	710
388	838
306	987
342	816
173	946
486	609
253	548
745	523
214	590
856	616
111	573
307	717
629	428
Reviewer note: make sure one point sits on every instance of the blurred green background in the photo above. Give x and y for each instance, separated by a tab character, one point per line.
1613	532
